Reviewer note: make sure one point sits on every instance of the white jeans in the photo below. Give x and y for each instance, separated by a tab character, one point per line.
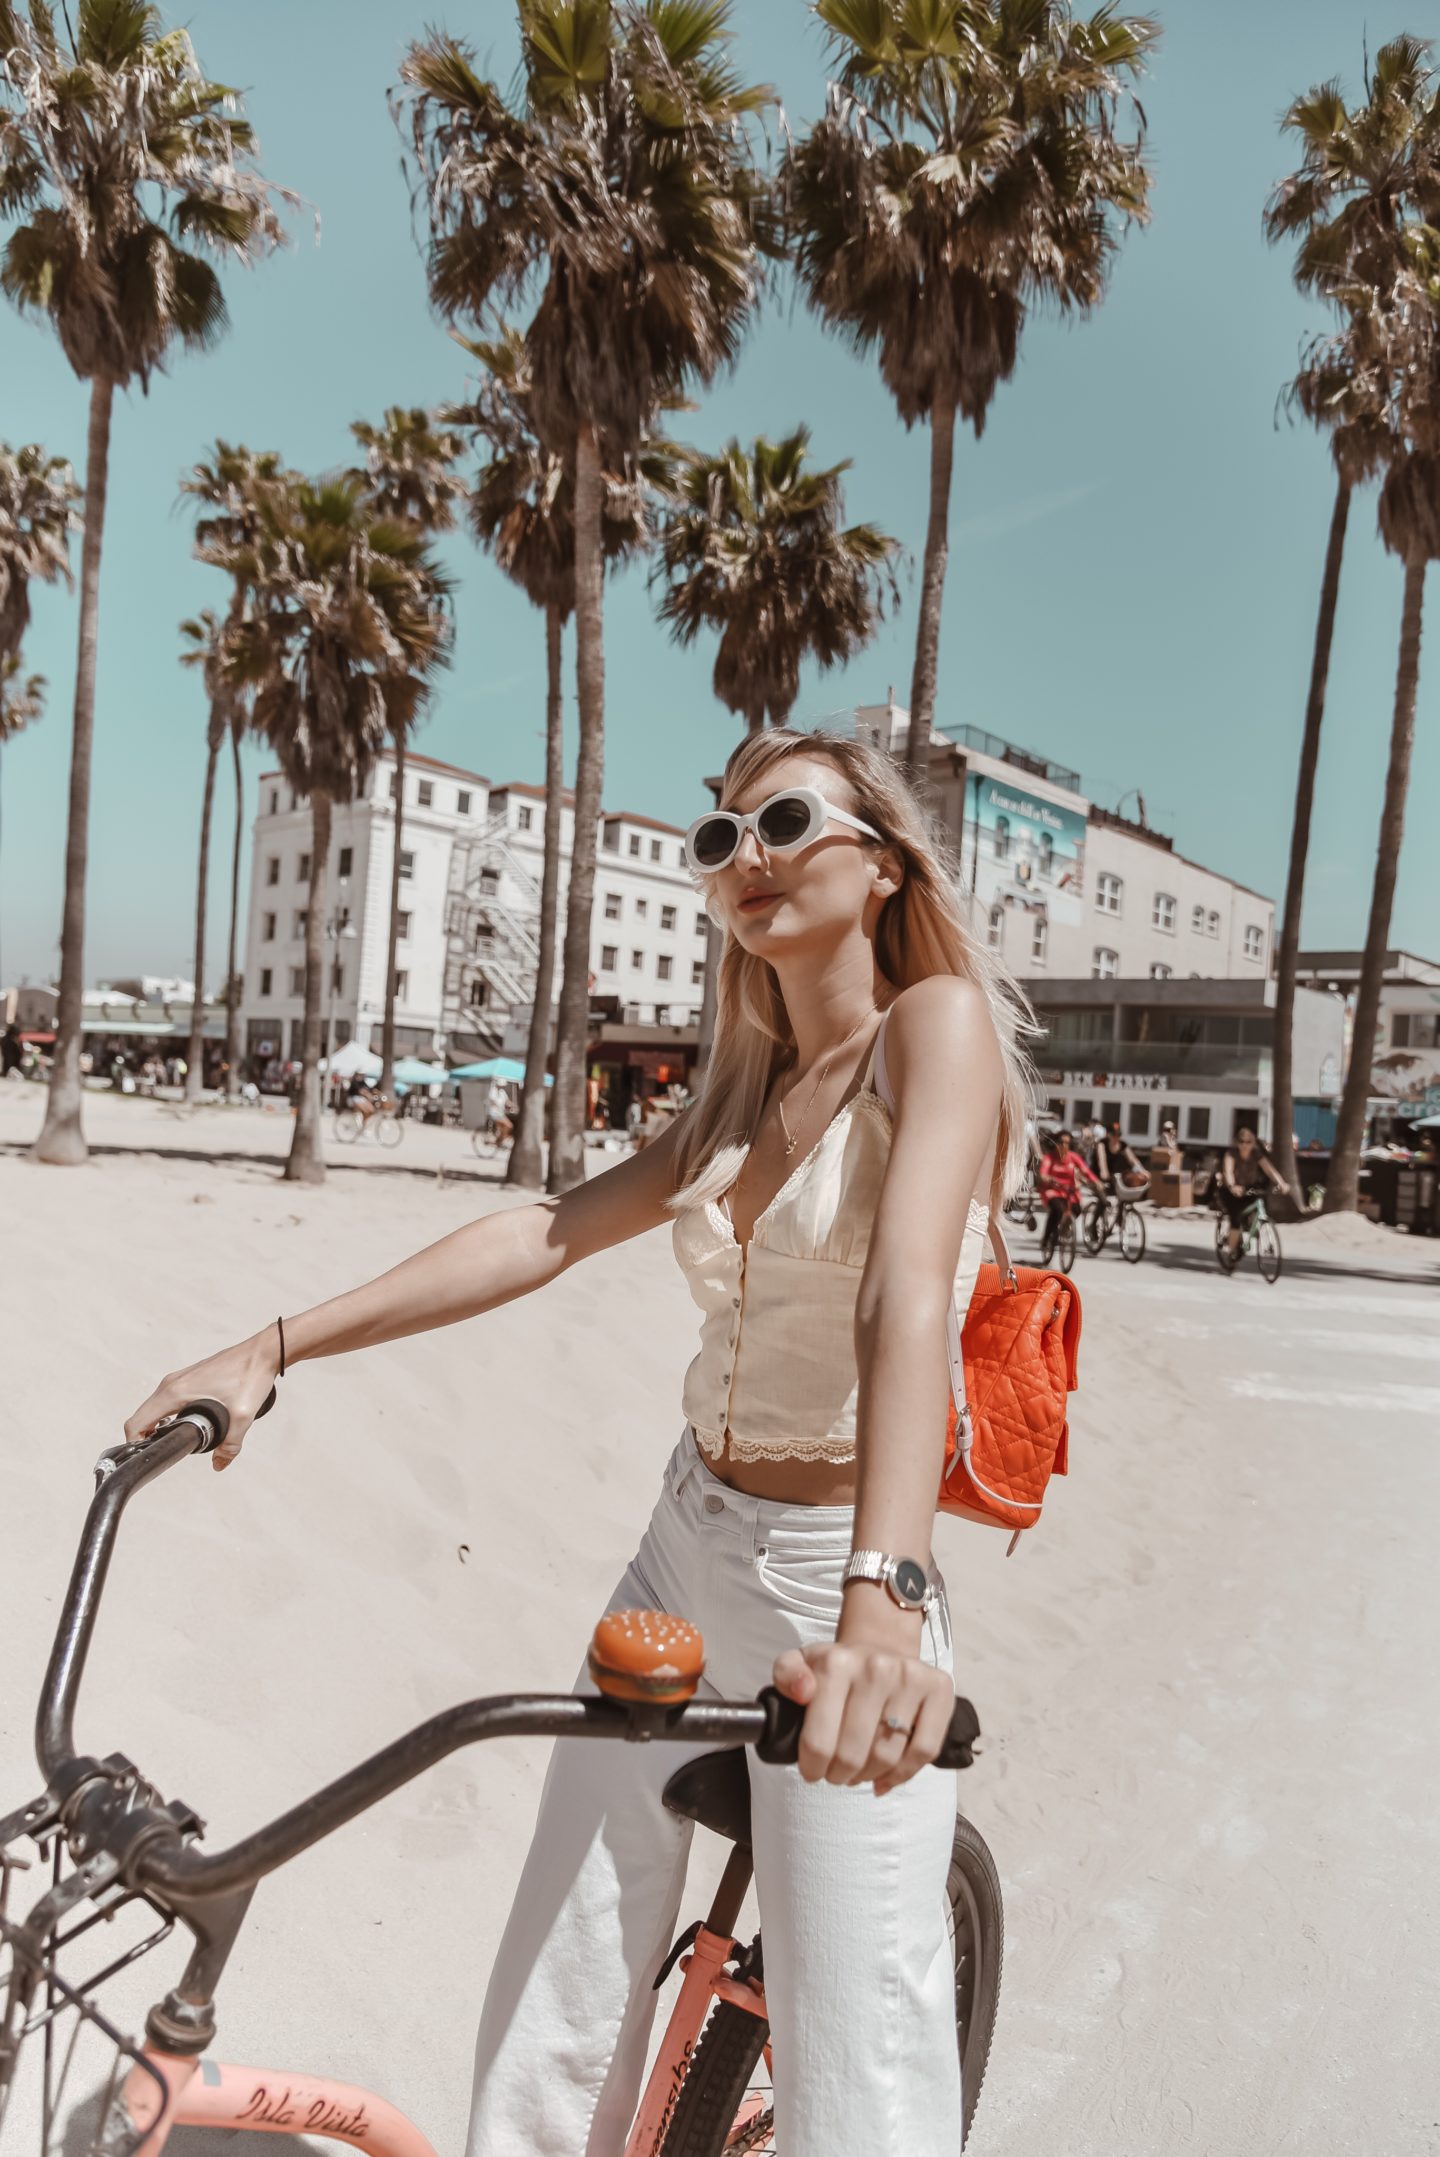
859	1970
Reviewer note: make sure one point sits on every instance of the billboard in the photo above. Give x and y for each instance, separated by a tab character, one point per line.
1026	850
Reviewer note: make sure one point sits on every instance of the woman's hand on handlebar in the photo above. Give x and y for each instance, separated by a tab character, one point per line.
241	1377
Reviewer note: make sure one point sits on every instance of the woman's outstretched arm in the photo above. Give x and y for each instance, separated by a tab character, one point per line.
486	1263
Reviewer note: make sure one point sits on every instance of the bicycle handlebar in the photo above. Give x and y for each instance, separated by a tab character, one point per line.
771	1723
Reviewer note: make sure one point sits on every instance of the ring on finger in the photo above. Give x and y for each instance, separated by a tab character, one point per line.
901	1728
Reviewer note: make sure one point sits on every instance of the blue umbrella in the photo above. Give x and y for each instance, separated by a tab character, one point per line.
501	1067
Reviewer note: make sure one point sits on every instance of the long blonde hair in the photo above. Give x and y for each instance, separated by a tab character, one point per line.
921	931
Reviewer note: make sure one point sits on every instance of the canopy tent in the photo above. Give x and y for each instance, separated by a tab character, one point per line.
501	1067
409	1071
349	1060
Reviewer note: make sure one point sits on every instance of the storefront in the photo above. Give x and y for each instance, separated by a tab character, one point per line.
626	1062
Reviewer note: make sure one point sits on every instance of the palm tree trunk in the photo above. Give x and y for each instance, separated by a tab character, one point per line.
306	1163
932	594
62	1138
567	1111
1282	1136
527	1154
195	1066
392	940
1342	1184
232	986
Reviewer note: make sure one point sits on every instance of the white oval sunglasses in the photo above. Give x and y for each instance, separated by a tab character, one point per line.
783	824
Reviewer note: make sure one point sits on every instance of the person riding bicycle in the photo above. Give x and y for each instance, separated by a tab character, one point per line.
1245	1168
1059	1179
1116	1160
822	1236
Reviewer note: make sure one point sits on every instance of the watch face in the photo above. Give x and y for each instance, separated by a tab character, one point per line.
910	1582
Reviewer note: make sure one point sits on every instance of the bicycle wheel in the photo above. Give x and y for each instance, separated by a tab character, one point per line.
1228	1259
482	1142
1094	1226
717	2110
1267	1251
1132	1235
389	1129
348	1125
1065	1243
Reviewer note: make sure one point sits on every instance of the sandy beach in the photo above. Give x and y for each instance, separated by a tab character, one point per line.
1207	1683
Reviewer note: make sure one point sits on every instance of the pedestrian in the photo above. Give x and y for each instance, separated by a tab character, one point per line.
793	1520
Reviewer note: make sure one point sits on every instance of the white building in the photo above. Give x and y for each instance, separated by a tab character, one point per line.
1406	1065
471	861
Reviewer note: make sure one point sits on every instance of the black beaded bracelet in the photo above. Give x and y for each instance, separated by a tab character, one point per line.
280	1329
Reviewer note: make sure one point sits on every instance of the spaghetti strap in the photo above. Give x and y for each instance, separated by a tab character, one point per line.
874	1080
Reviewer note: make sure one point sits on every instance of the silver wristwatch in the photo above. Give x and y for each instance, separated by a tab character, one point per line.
904	1580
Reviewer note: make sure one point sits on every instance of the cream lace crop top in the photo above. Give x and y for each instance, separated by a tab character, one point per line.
776	1367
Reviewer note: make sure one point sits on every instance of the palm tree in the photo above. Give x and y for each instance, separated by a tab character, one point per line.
755	546
522	507
38	498
347	618
409	462
619	187
96	136
223	652
1410	527
22	700
967	164
1361	176
232	490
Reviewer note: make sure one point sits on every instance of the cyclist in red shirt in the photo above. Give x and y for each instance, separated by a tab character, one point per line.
1059	1178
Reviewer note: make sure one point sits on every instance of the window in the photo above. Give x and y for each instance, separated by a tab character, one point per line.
402	984
635	843
477	990
1197	1123
425	793
1212	924
1162	913
294	800
1084	1111
267	929
1002	838
995	928
610	836
1105	965
462	800
394	786
612	906
702	923
642	907
337	977
697	973
489	880
1254	940
526	817
297	981
302	870
1170	1113
302	917
662	1014
1197	920
664	966
609	958
1040	940
1416	1030
274	801
1109	890
1047	855
347	858
655	851
1109	1113
265	980
1161	973
637	961
272	869
402	926
407	861
1137	1121
667	917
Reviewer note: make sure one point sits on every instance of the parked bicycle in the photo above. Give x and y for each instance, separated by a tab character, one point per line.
1257	1232
1118	1215
115	1858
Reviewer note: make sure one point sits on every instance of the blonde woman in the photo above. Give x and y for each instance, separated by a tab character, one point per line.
821	1238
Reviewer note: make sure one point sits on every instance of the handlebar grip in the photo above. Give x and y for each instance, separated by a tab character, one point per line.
215	1414
784	1719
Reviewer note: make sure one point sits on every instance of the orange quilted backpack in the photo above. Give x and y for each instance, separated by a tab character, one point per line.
1012	1370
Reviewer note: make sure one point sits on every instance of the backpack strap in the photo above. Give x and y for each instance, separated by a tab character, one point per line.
881	1076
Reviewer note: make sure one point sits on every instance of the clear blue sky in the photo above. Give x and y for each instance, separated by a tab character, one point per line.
1136	545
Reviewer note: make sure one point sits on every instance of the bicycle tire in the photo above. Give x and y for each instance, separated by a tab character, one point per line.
389	1130
348	1126
1132	1235
1065	1244
1094	1227
1228	1260
1267	1252
718	2080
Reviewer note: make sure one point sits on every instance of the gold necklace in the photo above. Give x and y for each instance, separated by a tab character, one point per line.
792	1143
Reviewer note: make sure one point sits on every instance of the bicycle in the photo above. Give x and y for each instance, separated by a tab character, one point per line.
384	1119
1115	1213
106	1839
1059	1243
1257	1232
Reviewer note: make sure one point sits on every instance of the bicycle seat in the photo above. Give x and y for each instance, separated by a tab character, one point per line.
714	1791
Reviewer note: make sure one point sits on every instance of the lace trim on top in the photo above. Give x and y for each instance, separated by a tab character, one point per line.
839	1452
